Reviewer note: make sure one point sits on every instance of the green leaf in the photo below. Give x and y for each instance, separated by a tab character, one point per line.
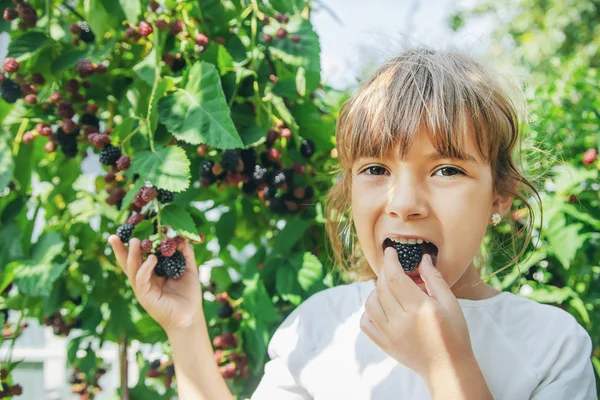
311	272
37	280
225	228
167	168
98	18
286	280
179	219
132	9
67	60
565	242
258	302
143	230
7	164
256	338
25	45
198	113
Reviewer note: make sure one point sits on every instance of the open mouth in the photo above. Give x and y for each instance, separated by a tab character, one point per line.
410	254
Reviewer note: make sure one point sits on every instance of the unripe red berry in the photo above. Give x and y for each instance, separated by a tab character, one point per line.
273	154
85	68
75	29
272	136
278	16
68	126
145	28
228	371
266	20
267	37
222	298
590	156
220	40
146	245
123	163
201	39
295	38
281	33
91	108
38	79
148	193
273	78
168	247
154	5
65	109
135	218
161	24
202	150
72	86
28	136
286	133
132	33
50	147
31	99
176	27
100	68
10	65
285	19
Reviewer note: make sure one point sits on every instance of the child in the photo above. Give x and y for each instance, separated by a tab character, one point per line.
425	154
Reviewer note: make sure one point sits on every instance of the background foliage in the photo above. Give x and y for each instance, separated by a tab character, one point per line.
172	102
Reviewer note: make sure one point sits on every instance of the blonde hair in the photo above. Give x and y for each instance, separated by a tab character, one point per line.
445	93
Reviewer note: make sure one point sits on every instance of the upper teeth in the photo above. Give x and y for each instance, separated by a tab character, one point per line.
407	240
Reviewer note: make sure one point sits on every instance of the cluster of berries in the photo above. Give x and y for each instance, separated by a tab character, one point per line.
80	385
264	174
227	308
59	326
12	89
231	362
165	370
7	390
24	10
282	33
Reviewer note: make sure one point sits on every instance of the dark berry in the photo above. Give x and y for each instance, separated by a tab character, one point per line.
124	232
110	154
178	64
89	119
206	169
277	205
86	33
67	142
230	160
176	27
409	255
38	79
123	163
10	91
259	174
10	14
281	33
65	109
85	68
225	311
249	187
307	148
295	38
154	5
267	37
146	245
269	192
168	247
172	267
164	196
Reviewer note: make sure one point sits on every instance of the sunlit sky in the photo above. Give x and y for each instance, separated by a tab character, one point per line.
373	31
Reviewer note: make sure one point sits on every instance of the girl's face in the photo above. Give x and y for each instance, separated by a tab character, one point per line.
449	202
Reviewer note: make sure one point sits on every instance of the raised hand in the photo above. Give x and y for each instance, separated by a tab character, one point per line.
174	303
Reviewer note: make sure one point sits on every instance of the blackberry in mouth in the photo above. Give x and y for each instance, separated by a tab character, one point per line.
410	255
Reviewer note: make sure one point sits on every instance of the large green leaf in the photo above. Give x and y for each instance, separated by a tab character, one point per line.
179	219
311	271
225	228
167	168
198	113
26	45
132	9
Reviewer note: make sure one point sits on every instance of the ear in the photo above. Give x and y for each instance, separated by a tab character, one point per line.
502	204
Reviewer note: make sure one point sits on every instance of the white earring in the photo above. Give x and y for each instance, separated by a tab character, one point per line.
496	219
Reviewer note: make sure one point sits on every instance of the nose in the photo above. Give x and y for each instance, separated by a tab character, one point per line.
406	197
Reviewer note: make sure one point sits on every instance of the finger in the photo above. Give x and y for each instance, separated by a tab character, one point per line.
190	257
120	251
401	285
391	306
143	277
134	260
375	311
436	285
370	329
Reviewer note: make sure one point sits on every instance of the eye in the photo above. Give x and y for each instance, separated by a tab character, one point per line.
374	168
453	171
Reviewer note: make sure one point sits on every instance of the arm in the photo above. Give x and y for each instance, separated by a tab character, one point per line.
461	381
197	373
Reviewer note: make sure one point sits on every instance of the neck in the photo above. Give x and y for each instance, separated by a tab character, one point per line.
470	286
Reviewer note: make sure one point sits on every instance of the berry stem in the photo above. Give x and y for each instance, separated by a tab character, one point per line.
129	136
19	138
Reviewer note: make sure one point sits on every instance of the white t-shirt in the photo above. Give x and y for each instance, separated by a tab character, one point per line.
526	350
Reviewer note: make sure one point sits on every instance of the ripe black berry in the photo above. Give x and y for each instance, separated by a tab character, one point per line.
109	155
269	192
10	91
409	255
124	232
248	157
307	148
10	14
230	160
89	119
249	187
206	169
225	311
171	267
277	205
164	196
67	142
86	33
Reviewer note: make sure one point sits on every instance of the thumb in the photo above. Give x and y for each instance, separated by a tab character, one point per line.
436	285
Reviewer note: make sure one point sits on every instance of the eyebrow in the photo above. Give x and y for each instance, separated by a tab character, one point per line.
439	156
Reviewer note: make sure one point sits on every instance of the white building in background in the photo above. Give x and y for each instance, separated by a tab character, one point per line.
357	36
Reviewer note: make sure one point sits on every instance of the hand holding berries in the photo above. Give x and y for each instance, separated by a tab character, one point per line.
174	303
425	331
